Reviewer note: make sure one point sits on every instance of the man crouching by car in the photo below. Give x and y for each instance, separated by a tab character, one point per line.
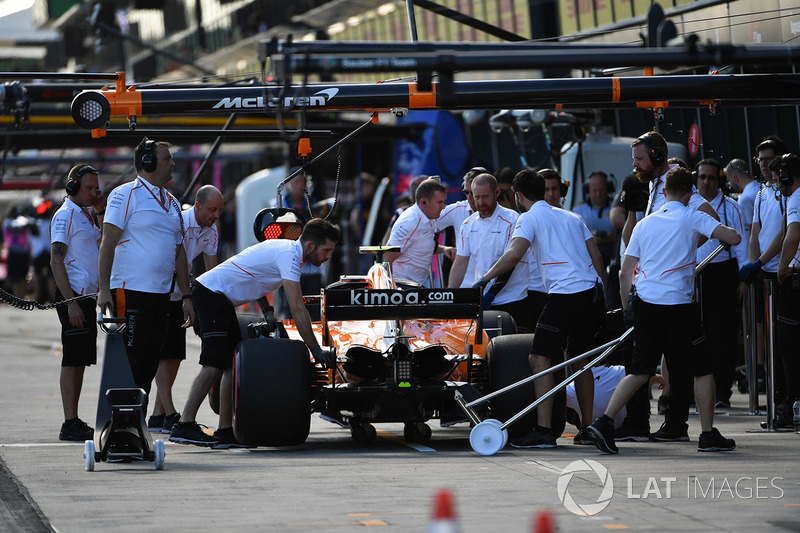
256	271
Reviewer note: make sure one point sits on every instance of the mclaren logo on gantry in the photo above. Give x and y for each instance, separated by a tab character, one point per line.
318	99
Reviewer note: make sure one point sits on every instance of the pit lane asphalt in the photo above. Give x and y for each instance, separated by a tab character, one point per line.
333	484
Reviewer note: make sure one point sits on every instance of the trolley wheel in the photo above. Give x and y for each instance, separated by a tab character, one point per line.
487	438
88	456
507	325
499	424
159	452
363	433
417	432
508	363
272	392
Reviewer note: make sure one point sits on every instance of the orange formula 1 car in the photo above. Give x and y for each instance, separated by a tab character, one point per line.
402	352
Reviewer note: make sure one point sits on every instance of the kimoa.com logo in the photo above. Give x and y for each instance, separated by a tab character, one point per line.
589	508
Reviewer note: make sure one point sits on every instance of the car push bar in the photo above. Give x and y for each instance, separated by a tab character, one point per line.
490	436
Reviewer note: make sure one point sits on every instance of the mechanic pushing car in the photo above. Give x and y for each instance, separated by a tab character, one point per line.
256	271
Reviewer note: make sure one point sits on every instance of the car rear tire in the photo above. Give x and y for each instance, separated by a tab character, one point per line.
507	325
508	363
272	392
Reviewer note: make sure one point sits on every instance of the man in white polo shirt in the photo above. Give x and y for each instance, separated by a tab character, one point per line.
413	233
481	240
247	276
573	274
454	214
74	238
664	318
788	309
719	285
742	182
200	236
140	250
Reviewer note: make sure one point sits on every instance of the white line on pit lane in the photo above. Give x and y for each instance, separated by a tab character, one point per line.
547	467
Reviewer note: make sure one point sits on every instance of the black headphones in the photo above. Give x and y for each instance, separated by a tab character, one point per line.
722	179
657	157
609	185
149	161
785	176
73	185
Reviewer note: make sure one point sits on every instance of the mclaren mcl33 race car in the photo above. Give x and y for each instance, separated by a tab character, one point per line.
403	354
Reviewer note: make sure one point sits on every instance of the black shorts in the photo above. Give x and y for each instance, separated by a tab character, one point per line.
518	311
675	331
218	325
175	341
79	345
568	321
145	328
535	302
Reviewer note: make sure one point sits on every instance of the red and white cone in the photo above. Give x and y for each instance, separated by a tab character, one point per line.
543	523
443	519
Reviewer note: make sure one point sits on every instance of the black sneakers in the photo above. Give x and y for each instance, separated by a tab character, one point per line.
155	423
169	421
226	439
583	438
76	429
191	433
667	434
602	433
628	433
538	437
713	441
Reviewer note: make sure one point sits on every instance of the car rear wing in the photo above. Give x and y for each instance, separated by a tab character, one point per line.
403	304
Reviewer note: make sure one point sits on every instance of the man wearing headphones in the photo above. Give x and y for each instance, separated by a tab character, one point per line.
555	190
141	248
742	182
765	246
718	285
200	236
789	277
596	213
74	238
456	213
651	165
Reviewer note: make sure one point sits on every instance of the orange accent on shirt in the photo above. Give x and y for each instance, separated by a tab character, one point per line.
243	270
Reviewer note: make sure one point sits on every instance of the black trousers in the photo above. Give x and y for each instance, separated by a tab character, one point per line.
788	330
717	287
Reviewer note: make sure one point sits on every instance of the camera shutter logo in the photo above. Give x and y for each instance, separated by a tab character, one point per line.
585	509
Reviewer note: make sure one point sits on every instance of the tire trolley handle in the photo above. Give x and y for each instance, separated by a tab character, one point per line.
106	318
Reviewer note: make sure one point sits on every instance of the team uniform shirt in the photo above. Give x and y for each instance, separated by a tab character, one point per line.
413	233
558	239
196	240
770	205
73	226
484	240
144	259
747	202
255	271
730	215
793	217
665	274
598	220
658	196
535	281
453	215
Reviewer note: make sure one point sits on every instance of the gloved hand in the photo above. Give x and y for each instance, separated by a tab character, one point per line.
325	356
488	298
480	284
749	271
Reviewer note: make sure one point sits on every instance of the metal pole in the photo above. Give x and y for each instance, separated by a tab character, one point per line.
751	348
769	331
412	20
